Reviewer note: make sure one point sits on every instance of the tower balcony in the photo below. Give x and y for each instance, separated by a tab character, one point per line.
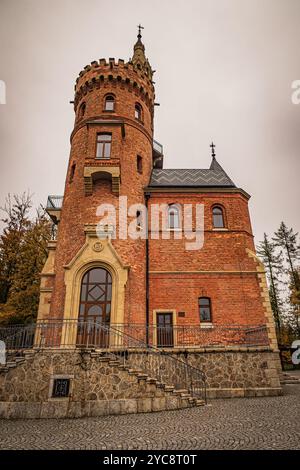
53	208
157	155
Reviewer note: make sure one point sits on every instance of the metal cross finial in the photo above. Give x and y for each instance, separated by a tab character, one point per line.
140	28
212	145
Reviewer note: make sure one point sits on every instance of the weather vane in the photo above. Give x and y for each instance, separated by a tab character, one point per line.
212	145
140	32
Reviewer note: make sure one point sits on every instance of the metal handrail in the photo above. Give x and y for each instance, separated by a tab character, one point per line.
159	364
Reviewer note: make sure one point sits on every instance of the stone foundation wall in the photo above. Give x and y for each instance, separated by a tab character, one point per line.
97	387
229	373
101	387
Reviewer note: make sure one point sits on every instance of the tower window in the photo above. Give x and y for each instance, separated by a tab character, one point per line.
173	216
139	219
218	217
109	103
72	172
138	112
205	309
103	145
82	110
139	164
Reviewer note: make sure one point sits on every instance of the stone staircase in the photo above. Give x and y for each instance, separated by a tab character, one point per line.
185	398
288	378
13	360
153	394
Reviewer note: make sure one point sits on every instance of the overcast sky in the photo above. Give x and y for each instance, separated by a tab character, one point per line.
224	70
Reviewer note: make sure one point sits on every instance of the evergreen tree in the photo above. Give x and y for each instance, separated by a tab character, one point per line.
286	239
273	263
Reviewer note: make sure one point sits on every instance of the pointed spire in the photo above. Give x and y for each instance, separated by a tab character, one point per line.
139	59
215	165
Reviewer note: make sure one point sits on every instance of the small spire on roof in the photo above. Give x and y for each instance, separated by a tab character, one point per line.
140	32
212	145
139	59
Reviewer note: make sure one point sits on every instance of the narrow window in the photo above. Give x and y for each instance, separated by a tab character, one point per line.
138	112
218	217
82	110
103	145
139	219
109	103
205	309
72	172
173	217
139	164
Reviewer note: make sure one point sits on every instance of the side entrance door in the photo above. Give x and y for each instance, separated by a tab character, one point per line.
165	338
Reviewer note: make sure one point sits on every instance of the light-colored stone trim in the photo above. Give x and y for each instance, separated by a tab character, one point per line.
90	255
261	274
45	290
202	272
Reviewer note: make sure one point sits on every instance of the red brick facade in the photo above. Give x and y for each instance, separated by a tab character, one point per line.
221	270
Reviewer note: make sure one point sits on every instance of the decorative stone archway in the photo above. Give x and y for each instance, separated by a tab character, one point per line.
94	253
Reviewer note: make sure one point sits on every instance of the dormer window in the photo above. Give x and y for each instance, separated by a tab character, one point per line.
103	146
109	103
138	112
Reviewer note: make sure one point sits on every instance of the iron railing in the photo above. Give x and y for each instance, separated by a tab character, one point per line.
132	351
54	202
56	333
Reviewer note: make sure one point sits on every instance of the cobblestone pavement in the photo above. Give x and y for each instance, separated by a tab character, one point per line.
256	423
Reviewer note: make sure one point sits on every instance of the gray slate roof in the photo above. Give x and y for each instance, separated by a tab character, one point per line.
215	176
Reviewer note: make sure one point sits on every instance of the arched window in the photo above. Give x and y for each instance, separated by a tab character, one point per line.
103	145
109	103
81	112
138	112
95	296
218	217
205	309
173	216
139	164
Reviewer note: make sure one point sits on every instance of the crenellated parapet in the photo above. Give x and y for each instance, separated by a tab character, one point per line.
116	74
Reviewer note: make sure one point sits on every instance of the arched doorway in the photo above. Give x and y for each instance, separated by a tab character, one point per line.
95	308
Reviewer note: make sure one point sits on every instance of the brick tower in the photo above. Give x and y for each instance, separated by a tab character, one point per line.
208	306
111	156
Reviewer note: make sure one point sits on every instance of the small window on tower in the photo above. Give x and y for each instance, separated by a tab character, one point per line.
109	103
82	110
138	112
139	219
72	172
139	164
103	146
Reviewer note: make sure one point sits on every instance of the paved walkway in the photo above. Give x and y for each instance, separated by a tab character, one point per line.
245	423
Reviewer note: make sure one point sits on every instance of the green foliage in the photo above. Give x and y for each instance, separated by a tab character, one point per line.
281	257
23	253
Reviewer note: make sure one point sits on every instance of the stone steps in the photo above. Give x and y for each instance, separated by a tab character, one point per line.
181	398
289	379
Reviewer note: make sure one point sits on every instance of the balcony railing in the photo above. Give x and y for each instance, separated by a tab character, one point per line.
54	202
92	334
157	147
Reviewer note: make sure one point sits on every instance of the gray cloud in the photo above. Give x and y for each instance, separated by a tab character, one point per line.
224	72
